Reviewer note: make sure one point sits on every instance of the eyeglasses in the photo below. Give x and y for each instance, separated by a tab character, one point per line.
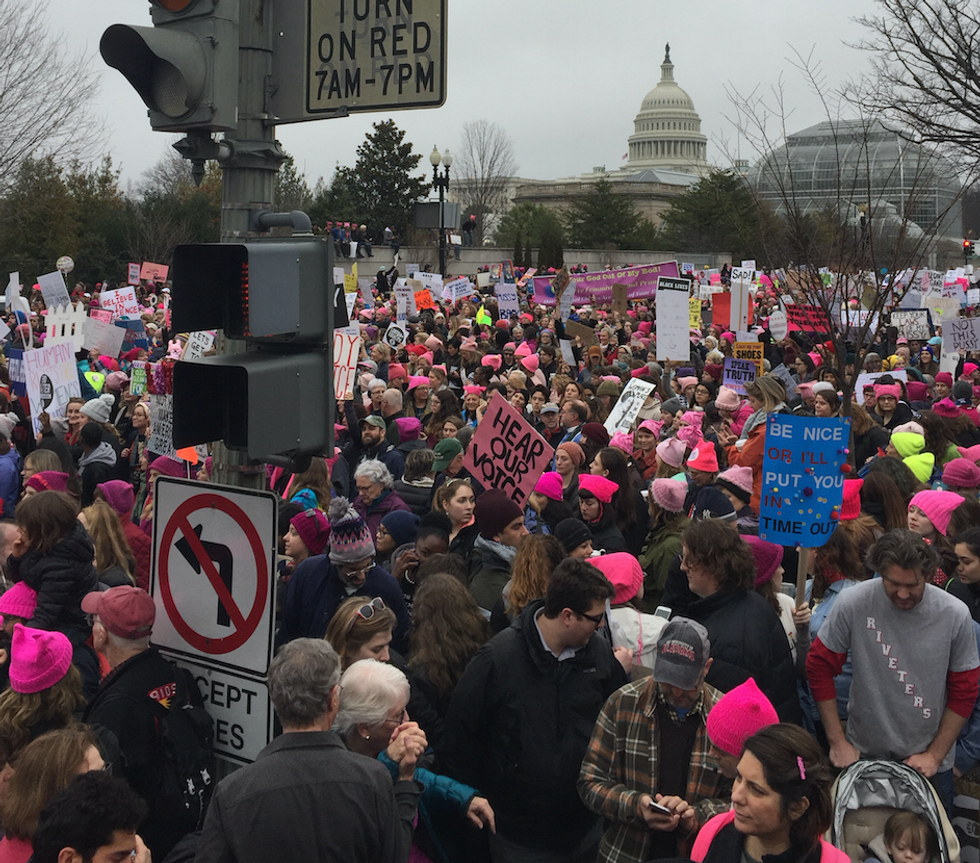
367	611
597	619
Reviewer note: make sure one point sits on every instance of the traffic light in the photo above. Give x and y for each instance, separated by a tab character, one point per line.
968	248
185	67
278	297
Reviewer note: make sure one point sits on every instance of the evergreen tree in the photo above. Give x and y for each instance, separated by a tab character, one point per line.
603	217
518	251
290	191
550	252
529	220
383	186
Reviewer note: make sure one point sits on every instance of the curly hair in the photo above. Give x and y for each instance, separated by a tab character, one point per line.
718	547
53	707
536	558
448	407
447	629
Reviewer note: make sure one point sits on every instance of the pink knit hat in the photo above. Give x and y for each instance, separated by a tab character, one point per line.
549	484
531	363
598	486
493	361
686	382
168	466
622	440
38	659
48	480
396	371
882	390
522	350
738	480
669	494
19	601
624	573
672	451
416	381
739	714
938	507
961	473
727	399
652	426
768	556
313	528
944	378
433	343
693	418
703	458
691	435
468	344
946	408
851	507
473	390
971	453
119	495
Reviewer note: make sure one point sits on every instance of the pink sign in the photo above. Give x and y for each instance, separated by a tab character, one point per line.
506	452
597	287
154	272
103	315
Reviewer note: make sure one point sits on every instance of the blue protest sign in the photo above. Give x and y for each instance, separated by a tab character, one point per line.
802	479
18	377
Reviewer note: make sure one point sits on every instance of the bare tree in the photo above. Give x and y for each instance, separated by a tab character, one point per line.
927	75
45	92
483	167
850	195
169	173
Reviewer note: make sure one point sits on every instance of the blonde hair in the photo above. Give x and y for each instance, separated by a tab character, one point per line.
348	633
111	547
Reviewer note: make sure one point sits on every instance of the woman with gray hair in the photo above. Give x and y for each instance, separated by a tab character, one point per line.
376	495
373	721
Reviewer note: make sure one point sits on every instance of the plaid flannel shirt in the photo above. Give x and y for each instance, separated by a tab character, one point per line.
621	763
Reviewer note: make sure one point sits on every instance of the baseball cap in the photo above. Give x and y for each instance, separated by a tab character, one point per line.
125	611
374	420
682	650
550	408
446	450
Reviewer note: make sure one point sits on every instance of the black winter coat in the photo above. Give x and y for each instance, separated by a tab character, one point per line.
748	640
61	578
518	725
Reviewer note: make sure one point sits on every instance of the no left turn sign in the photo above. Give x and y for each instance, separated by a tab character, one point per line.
213	572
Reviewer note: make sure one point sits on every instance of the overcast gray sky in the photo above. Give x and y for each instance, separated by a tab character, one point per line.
565	78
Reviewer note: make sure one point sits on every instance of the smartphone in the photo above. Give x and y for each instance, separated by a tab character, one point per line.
662	611
660	810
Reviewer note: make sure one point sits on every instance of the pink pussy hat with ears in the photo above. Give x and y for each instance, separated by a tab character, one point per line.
938	507
738	715
38	659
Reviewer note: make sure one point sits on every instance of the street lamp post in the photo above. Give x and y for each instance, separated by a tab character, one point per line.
441	182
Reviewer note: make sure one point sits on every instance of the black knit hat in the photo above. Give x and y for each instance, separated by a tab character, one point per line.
571	533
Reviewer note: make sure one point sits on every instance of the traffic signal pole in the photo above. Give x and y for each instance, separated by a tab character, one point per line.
247	179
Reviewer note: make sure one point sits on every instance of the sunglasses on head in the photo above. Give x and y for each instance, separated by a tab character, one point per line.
367	611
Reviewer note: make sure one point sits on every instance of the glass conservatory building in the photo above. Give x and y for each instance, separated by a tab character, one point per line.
854	163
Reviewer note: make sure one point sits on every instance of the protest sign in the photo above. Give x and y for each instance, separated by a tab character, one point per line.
565	302
973	297
508	303
346	342
751	351
624	412
411	270
53	289
673	337
789	382
153	273
162	425
15	366
506	452
738	373
597	287
961	334
483	280
395	336
566	352
134	335
198	344
810	319
778	325
749	265
13	289
866	378
722	313
507	272
51	380
423	300
456	289
432	281
914	325
351	301
687	269
404	301
350	283
941	309
586	334
620	301
103	315
64	324
137	378
133	275
121	302
745	336
802	481
528	273
694	312
103	337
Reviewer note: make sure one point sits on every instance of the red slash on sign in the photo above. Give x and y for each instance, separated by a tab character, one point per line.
180	536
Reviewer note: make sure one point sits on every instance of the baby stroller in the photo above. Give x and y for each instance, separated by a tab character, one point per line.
867	793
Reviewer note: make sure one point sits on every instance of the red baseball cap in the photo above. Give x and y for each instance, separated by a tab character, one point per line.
125	611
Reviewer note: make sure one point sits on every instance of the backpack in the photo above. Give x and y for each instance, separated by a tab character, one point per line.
186	735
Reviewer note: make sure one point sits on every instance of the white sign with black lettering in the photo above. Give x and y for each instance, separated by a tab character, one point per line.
239	706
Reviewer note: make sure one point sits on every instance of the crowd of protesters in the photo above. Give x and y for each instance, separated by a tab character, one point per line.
615	671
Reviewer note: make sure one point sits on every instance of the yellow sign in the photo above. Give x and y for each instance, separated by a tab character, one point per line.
694	310
749	351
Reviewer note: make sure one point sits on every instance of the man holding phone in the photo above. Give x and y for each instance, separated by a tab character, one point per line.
656	796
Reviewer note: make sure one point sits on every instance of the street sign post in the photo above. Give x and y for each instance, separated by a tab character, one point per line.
337	57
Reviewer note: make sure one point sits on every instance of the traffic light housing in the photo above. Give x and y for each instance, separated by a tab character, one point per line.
968	248
185	67
278	297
